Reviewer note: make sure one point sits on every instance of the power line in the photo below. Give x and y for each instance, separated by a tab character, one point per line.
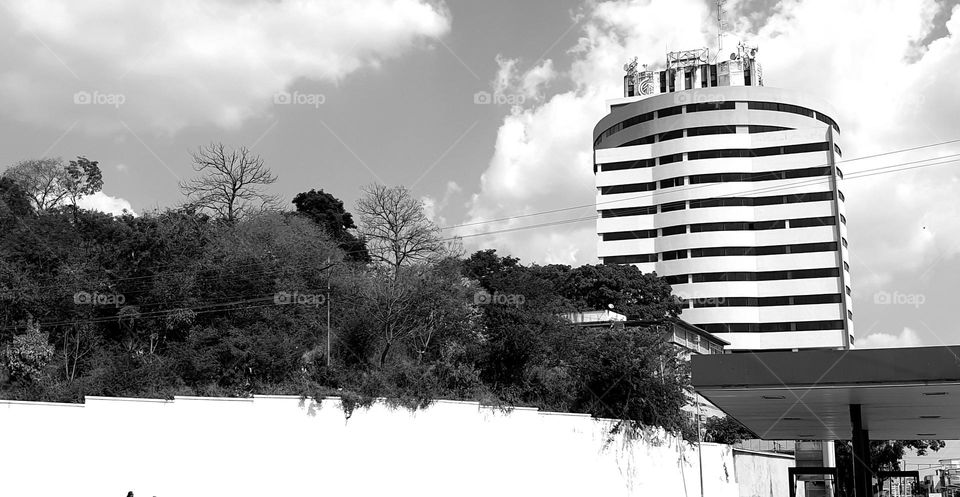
584	206
851	176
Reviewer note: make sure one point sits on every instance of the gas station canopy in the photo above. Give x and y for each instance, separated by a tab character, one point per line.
893	394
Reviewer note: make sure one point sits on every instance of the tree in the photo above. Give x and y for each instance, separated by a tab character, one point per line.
233	182
85	178
631	374
885	455
327	211
14	201
29	354
724	430
630	292
396	228
48	182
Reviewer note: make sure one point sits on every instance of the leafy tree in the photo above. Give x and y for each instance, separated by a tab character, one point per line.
28	355
629	291
885	455
327	211
48	182
14	201
232	183
724	430
84	178
632	374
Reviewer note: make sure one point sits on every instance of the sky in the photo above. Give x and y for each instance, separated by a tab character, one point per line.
338	94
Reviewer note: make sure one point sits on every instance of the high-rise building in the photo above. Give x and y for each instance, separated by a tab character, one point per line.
731	191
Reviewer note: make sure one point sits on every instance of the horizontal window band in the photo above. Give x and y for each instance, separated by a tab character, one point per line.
728	276
721	202
771	327
708	302
801	248
713	106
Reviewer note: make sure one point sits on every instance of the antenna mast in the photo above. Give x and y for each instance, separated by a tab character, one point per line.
720	24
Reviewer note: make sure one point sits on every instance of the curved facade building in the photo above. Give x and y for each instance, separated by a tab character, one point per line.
734	195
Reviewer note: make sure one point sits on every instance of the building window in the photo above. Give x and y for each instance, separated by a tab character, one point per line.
840	194
673	230
629	235
761	201
708	106
671	182
765	129
738	226
846	266
630	188
844	241
669	111
677	279
811	222
765	275
849	291
712	130
673	255
836	148
772	327
801	248
630	164
843	219
646	140
763	176
668	159
778	107
673	206
629	211
630	259
839	172
670	135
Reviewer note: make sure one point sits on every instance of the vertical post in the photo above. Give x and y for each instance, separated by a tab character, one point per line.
328	314
860	440
699	443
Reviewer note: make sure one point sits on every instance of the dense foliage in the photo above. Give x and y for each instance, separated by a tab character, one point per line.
199	300
885	455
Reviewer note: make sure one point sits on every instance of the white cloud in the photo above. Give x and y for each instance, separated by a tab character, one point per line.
432	207
862	56
543	156
906	338
181	63
105	203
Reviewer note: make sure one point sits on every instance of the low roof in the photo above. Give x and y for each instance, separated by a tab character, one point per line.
906	393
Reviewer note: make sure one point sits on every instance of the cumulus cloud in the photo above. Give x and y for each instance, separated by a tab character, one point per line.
906	338
182	63
432	206
871	59
105	203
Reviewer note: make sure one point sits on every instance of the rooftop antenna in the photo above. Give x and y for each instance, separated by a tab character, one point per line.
720	24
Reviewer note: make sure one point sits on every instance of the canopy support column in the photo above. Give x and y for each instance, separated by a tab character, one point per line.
860	440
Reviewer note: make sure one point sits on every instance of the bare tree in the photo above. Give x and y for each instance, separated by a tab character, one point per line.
232	184
396	229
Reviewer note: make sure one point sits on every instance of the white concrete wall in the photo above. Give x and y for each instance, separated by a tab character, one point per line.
762	474
276	446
